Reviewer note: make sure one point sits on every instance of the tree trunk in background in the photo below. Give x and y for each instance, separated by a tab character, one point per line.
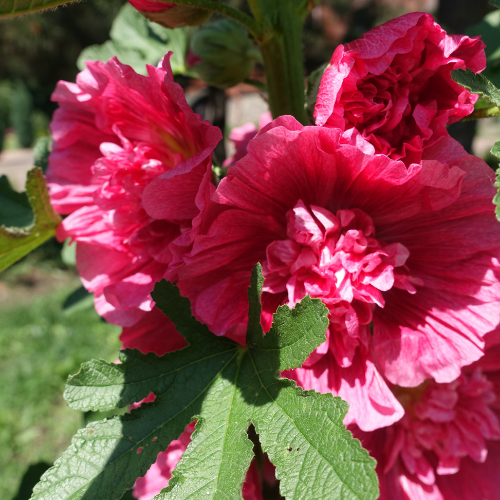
455	16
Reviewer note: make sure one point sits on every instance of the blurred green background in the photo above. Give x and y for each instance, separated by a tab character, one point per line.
40	345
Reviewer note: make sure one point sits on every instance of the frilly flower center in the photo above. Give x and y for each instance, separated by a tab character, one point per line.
336	257
450	421
124	172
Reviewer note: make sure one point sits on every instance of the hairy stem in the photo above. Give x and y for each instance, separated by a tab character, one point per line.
283	60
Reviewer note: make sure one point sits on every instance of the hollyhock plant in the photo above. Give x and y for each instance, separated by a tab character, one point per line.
394	85
447	446
413	250
114	132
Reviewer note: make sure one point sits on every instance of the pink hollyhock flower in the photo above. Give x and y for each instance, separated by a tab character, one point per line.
447	446
158	475
151	5
413	250
394	85
114	132
241	136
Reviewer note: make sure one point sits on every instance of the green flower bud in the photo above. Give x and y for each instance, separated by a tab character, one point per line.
227	53
177	16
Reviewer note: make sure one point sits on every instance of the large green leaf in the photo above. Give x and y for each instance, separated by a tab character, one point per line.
477	84
136	41
18	242
225	387
9	8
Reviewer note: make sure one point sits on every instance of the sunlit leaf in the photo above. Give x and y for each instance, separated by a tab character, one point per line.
225	387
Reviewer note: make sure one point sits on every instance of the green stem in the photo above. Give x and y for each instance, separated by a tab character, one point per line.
214	6
283	59
483	113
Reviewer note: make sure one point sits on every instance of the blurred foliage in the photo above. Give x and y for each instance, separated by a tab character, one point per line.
21	110
5	96
39	347
41	48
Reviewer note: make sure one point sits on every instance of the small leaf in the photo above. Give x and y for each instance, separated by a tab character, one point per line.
495	150
10	8
18	242
477	84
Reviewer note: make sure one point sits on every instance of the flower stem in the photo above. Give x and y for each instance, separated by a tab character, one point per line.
214	6
281	48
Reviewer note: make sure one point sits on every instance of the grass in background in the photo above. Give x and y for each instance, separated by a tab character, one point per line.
40	346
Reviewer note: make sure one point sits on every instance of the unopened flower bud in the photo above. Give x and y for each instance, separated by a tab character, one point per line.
227	53
170	14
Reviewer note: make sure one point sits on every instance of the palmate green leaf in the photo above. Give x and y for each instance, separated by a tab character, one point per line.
10	8
225	387
477	84
18	242
137	42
